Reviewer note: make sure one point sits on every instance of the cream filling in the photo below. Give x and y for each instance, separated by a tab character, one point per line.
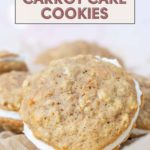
38	143
140	131
112	61
9	114
43	146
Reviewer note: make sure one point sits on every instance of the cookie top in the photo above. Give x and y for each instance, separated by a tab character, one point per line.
10	61
80	103
143	121
11	90
73	49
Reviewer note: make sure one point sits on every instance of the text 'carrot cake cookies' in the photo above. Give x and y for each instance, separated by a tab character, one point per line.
143	121
10	61
80	103
71	49
10	100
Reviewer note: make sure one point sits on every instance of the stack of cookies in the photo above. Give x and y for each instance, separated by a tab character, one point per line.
84	99
13	71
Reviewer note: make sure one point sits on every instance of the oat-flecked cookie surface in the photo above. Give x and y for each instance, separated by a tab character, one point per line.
71	49
10	61
11	90
143	121
79	103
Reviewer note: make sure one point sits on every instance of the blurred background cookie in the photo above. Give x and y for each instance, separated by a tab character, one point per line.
10	61
80	103
75	48
10	100
143	122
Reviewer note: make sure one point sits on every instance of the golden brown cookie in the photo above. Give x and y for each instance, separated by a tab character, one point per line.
10	61
11	124
71	49
80	103
143	122
10	100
